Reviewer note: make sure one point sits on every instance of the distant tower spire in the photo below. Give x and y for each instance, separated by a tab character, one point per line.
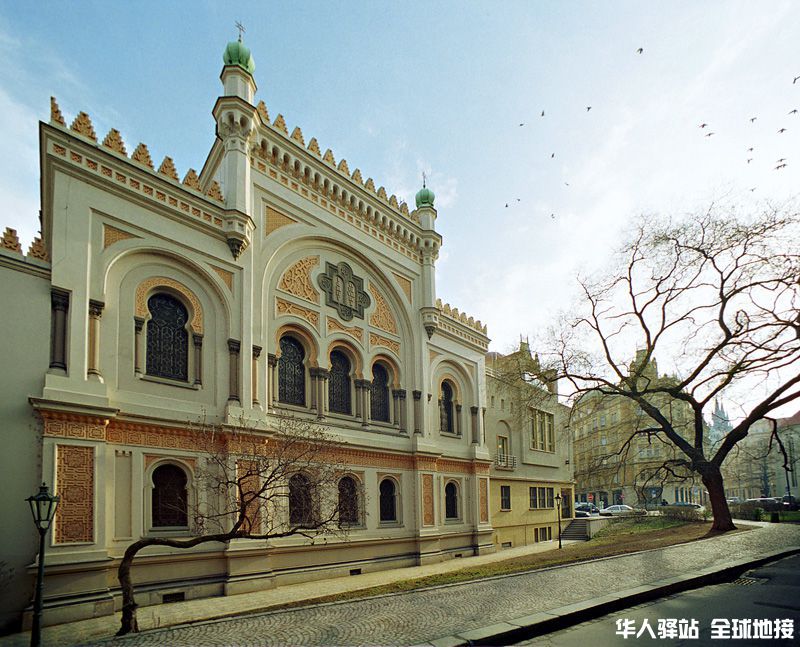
424	179
241	29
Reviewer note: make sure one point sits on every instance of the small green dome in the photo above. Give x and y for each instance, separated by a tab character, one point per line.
237	54
425	197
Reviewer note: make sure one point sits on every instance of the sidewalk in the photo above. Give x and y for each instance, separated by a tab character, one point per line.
512	606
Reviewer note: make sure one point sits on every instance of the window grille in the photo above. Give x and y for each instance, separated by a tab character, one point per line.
339	383
348	501
291	372
379	395
169	497
300	501
167	338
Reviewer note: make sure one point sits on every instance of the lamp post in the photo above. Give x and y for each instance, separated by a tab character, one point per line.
43	508
558	513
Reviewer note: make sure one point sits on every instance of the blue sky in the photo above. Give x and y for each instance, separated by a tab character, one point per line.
398	88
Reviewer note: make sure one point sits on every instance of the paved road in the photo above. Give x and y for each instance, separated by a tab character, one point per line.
421	616
768	593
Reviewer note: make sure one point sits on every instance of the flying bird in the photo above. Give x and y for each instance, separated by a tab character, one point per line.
750	150
749	159
709	134
542	113
588	108
553	216
702	125
552	155
795	80
780	166
782	130
522	125
793	112
518	200
782	159
641	49
566	183
753	189
506	205
752	119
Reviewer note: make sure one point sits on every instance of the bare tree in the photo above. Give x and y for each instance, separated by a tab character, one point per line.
718	300
253	484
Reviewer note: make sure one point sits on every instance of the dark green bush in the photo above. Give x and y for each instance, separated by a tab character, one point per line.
681	513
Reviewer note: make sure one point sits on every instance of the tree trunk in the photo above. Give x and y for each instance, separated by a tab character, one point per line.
712	479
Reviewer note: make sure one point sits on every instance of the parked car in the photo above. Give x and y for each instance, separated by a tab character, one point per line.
583	506
620	510
581	513
686	504
734	499
790	502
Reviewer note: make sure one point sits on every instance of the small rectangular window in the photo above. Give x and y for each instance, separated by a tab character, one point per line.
550	499
505	497
534	498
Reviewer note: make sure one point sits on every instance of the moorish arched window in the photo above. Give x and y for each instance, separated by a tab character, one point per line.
348	501
388	500
339	383
291	372
451	501
446	409
167	338
301	511
379	394
169	497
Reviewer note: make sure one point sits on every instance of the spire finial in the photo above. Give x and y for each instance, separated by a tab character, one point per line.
424	179
241	29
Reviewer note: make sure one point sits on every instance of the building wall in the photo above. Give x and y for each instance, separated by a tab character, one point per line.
25	330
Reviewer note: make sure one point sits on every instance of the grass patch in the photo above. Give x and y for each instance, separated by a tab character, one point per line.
790	515
620	537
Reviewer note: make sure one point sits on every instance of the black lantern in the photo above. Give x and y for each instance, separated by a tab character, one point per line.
43	508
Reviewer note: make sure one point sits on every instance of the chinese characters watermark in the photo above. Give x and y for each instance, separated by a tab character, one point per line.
721	629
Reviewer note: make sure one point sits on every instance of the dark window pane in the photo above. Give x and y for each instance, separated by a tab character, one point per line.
379	394
348	501
505	497
388	503
339	383
291	372
169	496
451	501
301	510
167	338
446	408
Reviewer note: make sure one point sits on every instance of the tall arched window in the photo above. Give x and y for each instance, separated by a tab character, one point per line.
169	497
348	501
291	372
446	409
301	506
379	394
388	500
451	501
339	383
167	338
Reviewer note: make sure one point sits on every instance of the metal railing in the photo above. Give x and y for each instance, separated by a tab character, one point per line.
508	461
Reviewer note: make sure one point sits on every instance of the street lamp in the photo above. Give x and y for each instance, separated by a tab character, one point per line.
43	508
558	513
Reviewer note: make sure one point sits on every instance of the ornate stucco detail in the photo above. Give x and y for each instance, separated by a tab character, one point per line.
280	124
313	147
146	286
379	340
404	208
381	317
335	326
10	240
427	499
37	250
215	192
382	193
191	180
328	157
262	111
461	317
168	168
404	284
484	500
113	235
74	520
357	177
83	126
370	185
142	155
343	167
344	290
66	426
393	201
113	140
225	275
276	220
297	135
55	113
284	307
296	279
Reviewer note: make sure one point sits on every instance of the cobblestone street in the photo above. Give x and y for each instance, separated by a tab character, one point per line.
423	616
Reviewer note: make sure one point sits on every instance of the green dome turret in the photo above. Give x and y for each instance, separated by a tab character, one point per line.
237	54
425	197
